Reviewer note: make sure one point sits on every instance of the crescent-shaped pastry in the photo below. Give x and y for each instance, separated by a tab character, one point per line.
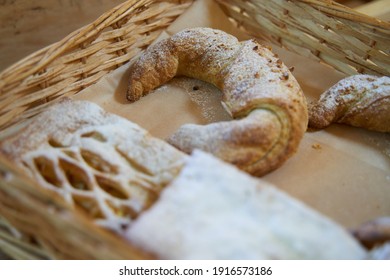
374	232
358	100
259	92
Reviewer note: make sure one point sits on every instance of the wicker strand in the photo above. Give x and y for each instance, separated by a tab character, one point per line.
347	40
62	68
67	233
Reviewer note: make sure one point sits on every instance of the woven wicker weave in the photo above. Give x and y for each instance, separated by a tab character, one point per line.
37	225
323	30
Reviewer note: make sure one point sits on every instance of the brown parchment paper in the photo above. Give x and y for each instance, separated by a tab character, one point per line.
343	172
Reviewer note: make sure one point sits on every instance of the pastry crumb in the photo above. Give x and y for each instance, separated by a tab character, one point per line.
316	146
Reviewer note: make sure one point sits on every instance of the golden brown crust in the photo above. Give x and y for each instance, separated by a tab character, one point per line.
251	78
359	100
374	232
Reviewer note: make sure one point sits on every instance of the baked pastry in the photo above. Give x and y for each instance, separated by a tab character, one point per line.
358	100
212	210
102	164
260	93
374	232
374	235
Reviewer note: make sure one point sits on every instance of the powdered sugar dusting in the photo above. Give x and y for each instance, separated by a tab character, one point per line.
383	144
207	49
363	86
358	100
206	97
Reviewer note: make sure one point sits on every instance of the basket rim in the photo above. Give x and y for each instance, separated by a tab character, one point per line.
348	13
97	26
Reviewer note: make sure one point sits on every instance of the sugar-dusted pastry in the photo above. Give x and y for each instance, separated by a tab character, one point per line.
212	210
102	164
358	100
260	93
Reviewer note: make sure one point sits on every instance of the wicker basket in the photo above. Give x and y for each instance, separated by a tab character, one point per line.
33	223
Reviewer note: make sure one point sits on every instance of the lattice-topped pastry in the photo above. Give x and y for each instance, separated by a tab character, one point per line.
102	164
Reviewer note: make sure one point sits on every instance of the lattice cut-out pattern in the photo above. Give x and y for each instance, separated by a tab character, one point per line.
103	165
